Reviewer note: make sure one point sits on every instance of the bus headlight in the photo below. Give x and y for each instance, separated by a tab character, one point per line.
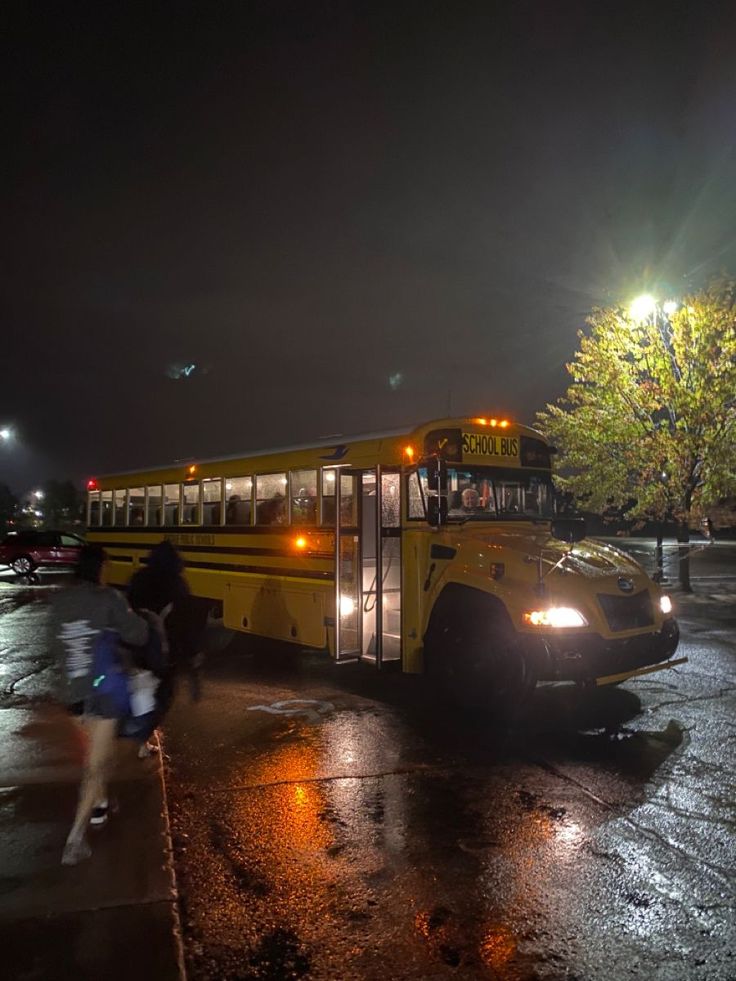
665	605
555	616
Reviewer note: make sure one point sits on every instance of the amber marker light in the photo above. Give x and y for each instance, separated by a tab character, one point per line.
503	423
481	422
192	470
409	452
300	542
493	422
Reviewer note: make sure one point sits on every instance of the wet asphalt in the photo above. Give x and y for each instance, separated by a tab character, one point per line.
332	822
375	833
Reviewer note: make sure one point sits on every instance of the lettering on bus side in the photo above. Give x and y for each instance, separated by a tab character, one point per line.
190	539
483	444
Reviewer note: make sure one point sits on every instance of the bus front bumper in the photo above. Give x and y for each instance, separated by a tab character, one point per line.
596	659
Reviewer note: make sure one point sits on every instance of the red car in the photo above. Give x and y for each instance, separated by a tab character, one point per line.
25	550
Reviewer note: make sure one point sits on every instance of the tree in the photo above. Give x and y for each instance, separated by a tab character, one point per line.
8	505
62	504
651	412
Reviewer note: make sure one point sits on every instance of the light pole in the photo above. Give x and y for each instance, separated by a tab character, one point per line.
646	309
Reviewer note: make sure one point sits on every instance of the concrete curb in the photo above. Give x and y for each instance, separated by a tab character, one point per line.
170	866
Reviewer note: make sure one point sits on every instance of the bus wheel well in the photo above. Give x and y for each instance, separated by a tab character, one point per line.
456	603
472	651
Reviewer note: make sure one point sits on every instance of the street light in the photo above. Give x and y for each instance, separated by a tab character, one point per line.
643	307
5	434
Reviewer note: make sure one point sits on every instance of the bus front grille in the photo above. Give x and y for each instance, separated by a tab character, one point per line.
627	612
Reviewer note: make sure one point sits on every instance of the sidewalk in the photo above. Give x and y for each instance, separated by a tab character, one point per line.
114	915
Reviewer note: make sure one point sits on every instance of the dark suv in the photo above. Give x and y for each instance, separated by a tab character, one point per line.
24	550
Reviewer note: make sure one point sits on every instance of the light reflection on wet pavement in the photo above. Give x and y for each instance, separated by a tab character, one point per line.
396	838
389	837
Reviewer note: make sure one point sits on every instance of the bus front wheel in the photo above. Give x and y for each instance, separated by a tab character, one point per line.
473	656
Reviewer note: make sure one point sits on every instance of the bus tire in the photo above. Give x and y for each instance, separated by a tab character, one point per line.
473	655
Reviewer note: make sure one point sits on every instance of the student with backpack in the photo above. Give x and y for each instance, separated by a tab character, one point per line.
160	586
87	622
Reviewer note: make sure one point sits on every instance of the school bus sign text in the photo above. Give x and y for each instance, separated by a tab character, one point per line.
485	444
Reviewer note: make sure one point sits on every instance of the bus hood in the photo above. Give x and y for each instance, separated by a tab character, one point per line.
589	558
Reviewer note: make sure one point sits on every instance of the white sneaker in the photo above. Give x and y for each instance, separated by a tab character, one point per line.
102	811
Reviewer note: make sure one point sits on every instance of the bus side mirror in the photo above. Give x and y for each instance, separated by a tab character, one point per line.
569	530
436	511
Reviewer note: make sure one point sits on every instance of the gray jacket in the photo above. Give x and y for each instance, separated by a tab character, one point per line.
78	614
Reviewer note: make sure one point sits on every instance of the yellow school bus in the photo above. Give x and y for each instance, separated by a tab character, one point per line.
434	549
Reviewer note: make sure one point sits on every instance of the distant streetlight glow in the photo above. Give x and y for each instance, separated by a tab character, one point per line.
669	307
643	306
38	495
5	434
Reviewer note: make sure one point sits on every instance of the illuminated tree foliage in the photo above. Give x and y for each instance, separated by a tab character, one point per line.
650	416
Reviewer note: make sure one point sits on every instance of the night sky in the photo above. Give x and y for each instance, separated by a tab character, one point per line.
346	216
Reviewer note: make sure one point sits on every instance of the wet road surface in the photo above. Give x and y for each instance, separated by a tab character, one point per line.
376	834
334	823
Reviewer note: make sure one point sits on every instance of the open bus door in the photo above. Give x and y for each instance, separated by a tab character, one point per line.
368	565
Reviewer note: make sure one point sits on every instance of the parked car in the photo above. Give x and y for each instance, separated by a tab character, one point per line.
25	550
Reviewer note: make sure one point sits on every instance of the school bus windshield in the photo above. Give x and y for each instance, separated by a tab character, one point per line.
493	493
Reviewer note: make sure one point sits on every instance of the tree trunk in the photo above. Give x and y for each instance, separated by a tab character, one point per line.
683	537
659	575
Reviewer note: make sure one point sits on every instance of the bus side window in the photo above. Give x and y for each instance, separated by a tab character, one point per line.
303	497
416	500
348	501
212	498
190	504
270	499
106	507
121	509
154	505
172	493
136	506
328	497
238	492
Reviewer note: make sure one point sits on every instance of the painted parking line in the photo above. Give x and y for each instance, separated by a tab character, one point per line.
312	708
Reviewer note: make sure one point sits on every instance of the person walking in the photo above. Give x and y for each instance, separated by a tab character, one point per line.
79	614
160	587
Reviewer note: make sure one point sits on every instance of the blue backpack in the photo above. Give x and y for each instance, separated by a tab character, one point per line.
109	680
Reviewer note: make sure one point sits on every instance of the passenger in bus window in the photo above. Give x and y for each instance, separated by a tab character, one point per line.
470	499
304	508
272	511
231	511
466	501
